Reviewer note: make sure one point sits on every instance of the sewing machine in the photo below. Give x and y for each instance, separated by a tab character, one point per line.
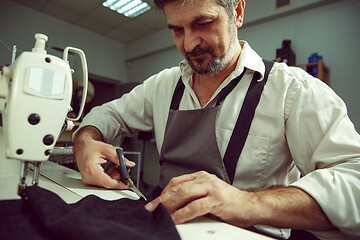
35	97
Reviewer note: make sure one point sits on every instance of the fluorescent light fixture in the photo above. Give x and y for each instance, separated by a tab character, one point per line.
129	8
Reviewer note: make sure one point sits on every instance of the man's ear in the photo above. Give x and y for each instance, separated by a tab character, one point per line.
239	13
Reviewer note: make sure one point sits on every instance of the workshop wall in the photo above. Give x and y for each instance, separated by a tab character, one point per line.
332	31
327	27
19	25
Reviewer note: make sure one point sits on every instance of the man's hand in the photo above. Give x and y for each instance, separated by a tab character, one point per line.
90	152
189	196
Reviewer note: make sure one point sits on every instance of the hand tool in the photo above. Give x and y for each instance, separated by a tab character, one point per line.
124	174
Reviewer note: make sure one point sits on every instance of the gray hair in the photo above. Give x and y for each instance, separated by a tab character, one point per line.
227	4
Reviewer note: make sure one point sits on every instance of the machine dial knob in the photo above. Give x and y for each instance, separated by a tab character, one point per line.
34	119
48	140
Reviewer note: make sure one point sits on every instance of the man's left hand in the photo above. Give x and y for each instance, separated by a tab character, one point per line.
192	195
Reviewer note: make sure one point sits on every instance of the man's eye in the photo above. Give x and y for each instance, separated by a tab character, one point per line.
204	24
177	29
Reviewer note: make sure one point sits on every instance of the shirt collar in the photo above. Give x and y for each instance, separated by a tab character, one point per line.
248	59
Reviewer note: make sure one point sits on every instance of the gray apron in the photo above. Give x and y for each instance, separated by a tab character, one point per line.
190	142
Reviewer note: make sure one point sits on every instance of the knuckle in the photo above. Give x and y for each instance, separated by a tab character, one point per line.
195	206
86	177
85	180
202	173
158	200
182	215
179	190
189	212
173	181
206	175
213	177
107	185
86	171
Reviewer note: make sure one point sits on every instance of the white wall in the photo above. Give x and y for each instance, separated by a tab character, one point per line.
105	57
333	31
330	28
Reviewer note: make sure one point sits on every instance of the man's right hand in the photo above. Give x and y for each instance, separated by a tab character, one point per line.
90	152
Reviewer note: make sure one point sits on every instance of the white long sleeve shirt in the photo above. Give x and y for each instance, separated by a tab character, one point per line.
299	122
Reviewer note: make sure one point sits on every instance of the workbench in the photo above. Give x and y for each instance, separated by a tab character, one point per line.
67	183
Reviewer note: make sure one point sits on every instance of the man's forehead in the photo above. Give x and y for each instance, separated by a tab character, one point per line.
195	8
189	3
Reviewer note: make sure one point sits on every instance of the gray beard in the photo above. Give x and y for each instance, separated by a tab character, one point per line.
216	64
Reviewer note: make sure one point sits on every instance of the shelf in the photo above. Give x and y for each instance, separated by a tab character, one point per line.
323	72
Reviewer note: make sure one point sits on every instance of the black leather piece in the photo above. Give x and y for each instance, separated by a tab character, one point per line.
44	215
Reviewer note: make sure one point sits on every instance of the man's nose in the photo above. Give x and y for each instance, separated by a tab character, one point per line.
191	41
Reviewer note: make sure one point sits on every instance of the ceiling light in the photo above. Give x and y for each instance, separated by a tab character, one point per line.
129	8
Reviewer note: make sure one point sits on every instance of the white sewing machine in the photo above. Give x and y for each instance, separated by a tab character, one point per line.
35	96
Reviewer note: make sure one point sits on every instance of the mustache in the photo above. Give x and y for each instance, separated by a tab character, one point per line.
199	51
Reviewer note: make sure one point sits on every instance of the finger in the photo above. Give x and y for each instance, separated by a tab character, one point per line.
113	173
193	210
106	181
179	180
109	153
129	164
174	194
151	206
111	170
111	183
112	155
182	194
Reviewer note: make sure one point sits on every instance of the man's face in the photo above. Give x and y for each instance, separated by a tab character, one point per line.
204	34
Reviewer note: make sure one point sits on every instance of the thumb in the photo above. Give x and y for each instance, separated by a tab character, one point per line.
129	164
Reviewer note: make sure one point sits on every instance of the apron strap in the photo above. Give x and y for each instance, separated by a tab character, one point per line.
244	120
226	90
178	93
180	87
